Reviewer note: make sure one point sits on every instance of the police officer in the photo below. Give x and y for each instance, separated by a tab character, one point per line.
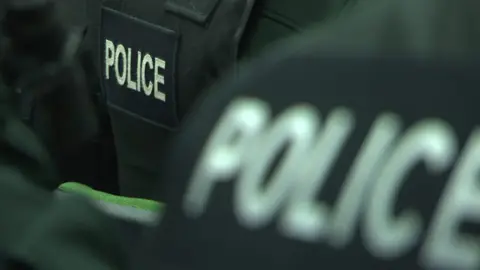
157	57
323	111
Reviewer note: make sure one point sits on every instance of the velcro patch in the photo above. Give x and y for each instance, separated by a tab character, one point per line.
138	62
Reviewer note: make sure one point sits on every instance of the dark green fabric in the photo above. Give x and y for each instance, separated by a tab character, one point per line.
20	146
53	234
66	120
34	226
71	234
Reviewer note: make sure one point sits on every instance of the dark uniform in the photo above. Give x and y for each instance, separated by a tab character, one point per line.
56	90
34	227
194	42
341	115
156	57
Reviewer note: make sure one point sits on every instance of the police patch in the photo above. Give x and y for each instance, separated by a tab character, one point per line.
138	67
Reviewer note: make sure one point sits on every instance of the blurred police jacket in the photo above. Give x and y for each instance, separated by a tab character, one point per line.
67	113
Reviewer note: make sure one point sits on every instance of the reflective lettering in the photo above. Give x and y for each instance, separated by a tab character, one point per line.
119	58
304	217
121	55
147	87
360	178
445	247
225	150
294	130
139	71
130	84
159	79
386	236
109	57
247	141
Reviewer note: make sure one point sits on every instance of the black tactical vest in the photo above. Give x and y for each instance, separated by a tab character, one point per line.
156	57
161	55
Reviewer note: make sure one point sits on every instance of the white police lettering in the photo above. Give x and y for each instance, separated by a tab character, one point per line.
224	153
371	156
444	247
294	131
246	141
120	59
305	218
431	141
